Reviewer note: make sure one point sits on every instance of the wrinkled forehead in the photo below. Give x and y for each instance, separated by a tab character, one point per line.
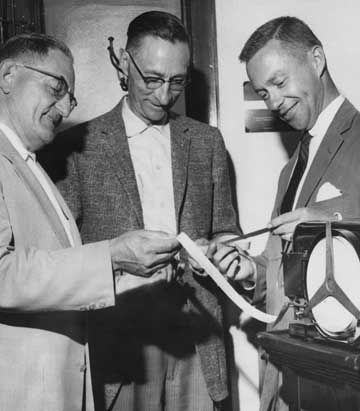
151	48
58	63
272	59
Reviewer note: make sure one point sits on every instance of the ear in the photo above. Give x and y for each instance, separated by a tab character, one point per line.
124	61
318	59
7	75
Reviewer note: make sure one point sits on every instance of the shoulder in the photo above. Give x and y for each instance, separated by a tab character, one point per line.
194	127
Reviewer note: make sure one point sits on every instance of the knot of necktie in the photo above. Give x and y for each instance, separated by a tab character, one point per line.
303	157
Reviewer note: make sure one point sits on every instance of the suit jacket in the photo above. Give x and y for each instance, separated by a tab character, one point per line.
42	353
101	188
336	162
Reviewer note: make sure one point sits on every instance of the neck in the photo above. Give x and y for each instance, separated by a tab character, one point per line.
330	90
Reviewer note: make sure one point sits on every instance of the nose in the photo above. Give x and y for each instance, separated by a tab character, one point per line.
163	94
64	106
275	100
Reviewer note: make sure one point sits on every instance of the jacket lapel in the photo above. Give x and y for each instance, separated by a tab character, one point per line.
180	148
118	153
330	145
284	181
65	209
35	188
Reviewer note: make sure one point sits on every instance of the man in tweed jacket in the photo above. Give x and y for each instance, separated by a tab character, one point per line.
138	166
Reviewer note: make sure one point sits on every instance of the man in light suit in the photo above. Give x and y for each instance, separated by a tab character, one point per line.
141	165
47	278
287	67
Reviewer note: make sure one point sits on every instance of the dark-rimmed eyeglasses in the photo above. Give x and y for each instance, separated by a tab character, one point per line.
62	87
176	84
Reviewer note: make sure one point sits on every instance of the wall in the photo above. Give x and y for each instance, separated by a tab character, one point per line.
258	157
85	26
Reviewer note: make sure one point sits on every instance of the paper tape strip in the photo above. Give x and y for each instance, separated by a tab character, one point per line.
195	252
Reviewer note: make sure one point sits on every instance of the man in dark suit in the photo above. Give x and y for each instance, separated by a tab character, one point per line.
144	166
287	67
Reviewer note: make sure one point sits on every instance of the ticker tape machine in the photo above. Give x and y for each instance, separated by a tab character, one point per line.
322	280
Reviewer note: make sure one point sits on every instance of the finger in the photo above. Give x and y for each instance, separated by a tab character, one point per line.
287	237
162	245
285	229
222	252
161	258
170	273
211	250
224	264
284	219
233	270
155	268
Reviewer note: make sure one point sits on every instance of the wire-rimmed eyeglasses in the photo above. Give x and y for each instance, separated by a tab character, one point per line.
177	83
62	87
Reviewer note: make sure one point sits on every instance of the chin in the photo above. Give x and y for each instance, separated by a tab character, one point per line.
47	138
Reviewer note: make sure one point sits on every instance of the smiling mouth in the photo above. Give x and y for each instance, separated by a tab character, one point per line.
287	114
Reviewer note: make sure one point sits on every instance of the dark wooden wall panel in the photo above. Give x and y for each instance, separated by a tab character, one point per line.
19	16
202	94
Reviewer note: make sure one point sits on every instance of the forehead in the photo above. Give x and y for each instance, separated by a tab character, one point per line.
59	64
271	60
158	55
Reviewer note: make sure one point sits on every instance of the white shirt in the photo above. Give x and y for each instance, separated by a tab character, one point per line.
150	150
39	173
318	132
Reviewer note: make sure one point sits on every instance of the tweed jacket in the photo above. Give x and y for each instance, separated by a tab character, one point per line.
45	285
336	162
102	191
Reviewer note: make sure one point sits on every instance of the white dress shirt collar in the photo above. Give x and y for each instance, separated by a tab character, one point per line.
16	142
40	175
326	117
318	132
134	125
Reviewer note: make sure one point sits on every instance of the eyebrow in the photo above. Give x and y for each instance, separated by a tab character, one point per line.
275	76
149	73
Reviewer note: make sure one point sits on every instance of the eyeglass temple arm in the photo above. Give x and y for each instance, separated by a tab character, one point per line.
113	58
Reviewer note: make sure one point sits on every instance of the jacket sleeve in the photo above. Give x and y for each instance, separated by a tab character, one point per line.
33	279
224	215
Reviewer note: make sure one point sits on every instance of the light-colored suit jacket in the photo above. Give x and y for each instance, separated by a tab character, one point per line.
337	162
44	285
102	192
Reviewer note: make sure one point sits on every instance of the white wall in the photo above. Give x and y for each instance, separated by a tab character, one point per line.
258	157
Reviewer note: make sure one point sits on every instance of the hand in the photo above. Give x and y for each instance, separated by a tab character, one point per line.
284	225
126	281
234	262
203	244
143	252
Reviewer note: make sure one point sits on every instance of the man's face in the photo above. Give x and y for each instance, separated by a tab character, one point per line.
156	57
290	85
35	107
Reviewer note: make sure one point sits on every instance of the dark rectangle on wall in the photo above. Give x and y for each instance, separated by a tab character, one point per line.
263	120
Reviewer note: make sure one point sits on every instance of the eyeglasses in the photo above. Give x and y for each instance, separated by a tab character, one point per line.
176	84
61	89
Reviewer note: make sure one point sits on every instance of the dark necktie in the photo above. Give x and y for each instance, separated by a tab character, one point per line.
289	197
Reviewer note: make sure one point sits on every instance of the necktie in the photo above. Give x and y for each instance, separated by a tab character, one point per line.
289	197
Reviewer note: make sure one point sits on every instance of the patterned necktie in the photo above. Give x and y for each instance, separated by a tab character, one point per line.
289	197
